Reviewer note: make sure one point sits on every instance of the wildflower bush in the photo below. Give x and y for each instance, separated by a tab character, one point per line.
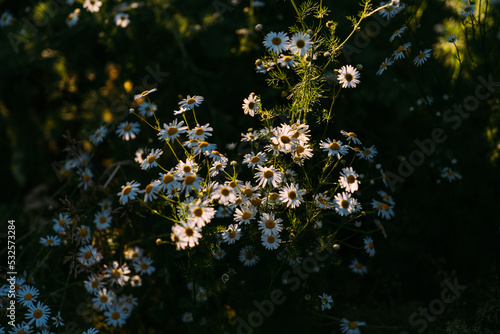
236	168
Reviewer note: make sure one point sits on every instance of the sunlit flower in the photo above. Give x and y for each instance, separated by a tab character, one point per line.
172	130
351	136
92	5
291	195
254	159
200	132
334	147
122	20
276	42
150	160
251	104
384	210
348	77
245	214
145	93
349	179
200	213
72	18
232	234
129	191
300	44
191	102
103	299
286	61
270	241
343	203
188	233
62	223
268	175
367	153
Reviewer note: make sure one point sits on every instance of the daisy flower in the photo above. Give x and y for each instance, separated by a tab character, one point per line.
172	130
452	38
348	76
38	314
88	255
151	191
251	104
200	132
300	44
133	253
62	223
27	295
369	248
117	274
286	61
357	267
384	210
468	9
248	257
422	57
349	180
343	203
5	19
449	174
103	299
326	301
85	178
147	109
219	253
92	5
84	233
218	166
276	42
102	220
232	234
201	294
387	62
285	138
145	93
252	159
250	136
322	201
188	233
245	214
58	320
367	153
200	214
268	175
333	147
98	136
187	317
143	265
93	284
115	316
136	281
386	197
224	194
189	182
150	160
122	20
191	102
223	212
22	328
397	33
50	240
127	131
351	136
91	331
291	195
400	51
183	168
270	241
350	327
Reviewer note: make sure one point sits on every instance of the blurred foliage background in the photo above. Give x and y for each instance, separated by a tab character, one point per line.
58	81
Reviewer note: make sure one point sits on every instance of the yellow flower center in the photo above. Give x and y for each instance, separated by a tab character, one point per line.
334	146
254	159
292	195
270	239
144	266
367	152
127	190
351	179
102	219
94	284
233	184
127	127
115	315
370	245
287	59
285	139
348	77
300	149
49	242
232	234
251	105
83	232
167	178
225	191
28	296
268	174
87	255
149	189
270	224
400	49
276	41
248	192
116	273
203	144
344	204
199	131
246	215
37	314
273	196
300	43
198	212
62	222
191	101
353	324
151	159
171	130
248	255
189	179
189	231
